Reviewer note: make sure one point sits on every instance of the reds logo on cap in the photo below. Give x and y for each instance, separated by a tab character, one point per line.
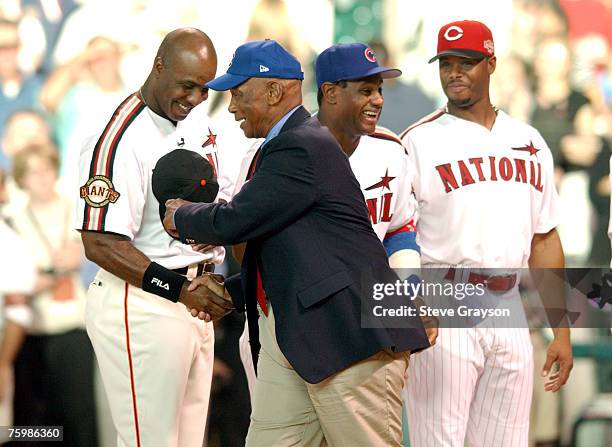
453	33
369	55
465	38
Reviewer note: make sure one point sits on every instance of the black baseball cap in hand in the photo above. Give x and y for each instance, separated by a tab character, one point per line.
183	174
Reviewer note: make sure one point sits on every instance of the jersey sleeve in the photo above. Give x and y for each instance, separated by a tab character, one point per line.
227	182
233	166
405	214
245	163
401	233
200	134
413	166
112	190
549	209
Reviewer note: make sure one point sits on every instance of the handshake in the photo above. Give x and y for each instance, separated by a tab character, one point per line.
206	297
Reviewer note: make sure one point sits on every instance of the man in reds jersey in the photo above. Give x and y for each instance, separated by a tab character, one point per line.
155	359
484	183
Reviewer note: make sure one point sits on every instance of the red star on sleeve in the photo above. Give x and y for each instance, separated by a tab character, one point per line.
384	182
527	148
212	139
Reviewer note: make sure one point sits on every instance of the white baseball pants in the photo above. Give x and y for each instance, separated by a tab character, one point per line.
156	364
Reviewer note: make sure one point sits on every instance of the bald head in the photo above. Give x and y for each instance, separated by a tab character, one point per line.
186	60
185	41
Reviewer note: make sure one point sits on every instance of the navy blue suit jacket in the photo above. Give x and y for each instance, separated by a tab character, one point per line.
306	225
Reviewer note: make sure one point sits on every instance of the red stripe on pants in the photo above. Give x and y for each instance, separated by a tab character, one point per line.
127	342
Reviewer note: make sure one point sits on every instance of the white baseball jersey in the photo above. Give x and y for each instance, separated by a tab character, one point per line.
382	169
115	178
482	196
155	359
478	190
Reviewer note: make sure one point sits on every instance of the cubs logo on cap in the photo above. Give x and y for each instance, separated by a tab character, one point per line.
465	38
369	54
350	61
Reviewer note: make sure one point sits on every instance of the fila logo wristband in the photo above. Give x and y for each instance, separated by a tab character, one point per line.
162	282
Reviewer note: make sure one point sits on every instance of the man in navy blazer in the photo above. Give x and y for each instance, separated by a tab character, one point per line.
325	372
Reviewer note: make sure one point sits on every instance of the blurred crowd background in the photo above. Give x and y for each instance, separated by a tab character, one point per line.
66	64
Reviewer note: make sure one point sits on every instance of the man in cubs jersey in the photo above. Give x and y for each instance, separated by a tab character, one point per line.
155	358
350	102
484	183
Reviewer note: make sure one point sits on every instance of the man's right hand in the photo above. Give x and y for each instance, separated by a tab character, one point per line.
171	206
206	298
430	323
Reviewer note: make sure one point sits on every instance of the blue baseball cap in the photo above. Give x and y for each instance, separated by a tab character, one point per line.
258	59
348	61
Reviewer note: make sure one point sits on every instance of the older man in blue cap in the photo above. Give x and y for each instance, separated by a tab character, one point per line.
310	263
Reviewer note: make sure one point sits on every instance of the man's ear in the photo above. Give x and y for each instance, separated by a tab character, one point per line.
274	92
491	64
329	92
158	66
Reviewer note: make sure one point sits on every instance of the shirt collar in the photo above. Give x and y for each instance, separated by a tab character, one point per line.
279	125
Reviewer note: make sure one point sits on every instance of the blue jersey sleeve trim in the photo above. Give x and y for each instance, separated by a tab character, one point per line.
401	241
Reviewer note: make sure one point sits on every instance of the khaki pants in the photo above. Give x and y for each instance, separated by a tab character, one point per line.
359	406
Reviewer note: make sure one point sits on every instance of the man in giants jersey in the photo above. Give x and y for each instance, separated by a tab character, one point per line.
155	359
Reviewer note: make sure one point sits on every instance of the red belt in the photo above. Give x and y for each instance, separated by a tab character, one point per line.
493	283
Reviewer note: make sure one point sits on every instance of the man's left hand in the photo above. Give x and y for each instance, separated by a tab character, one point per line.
171	206
559	352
